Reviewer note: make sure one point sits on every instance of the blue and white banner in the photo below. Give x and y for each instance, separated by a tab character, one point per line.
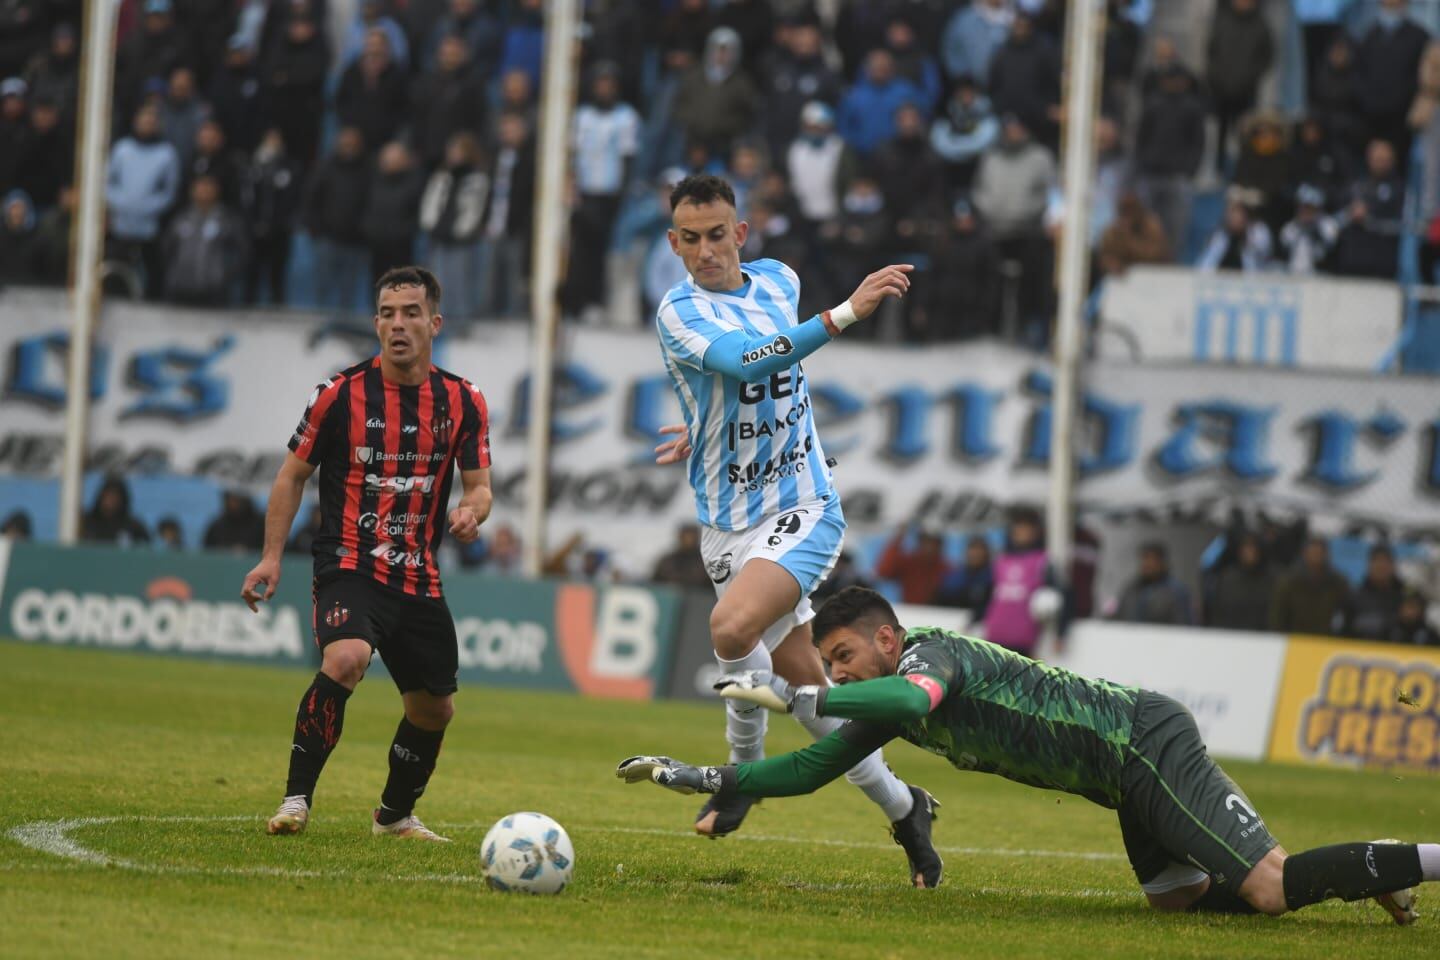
945	434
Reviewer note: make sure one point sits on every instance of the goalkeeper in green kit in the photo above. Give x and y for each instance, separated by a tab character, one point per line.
1192	836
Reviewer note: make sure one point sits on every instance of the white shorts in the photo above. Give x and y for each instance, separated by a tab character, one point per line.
806	541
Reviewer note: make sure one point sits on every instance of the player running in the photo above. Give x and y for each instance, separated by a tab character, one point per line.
771	519
386	435
1192	836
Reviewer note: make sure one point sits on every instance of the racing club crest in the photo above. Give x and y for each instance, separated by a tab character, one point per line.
336	615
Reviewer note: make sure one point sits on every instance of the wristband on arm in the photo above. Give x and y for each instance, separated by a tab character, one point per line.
839	318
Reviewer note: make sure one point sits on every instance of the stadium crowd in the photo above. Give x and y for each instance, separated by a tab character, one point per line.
284	151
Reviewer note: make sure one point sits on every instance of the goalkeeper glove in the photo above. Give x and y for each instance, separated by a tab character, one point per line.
670	774
765	689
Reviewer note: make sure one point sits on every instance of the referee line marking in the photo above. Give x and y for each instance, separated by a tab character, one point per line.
53	837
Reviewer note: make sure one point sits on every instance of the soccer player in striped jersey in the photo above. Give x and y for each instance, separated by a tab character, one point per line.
1193	837
386	435
771	522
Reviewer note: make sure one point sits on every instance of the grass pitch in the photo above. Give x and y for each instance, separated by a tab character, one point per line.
163	771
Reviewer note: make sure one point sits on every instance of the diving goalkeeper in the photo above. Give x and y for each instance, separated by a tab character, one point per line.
1193	838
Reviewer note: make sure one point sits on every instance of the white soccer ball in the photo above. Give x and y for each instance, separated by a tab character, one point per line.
1045	604
527	853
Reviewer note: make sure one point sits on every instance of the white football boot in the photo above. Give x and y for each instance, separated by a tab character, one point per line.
1400	904
292	816
406	828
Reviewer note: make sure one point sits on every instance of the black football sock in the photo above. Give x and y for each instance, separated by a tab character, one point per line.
1350	871
412	760
317	730
1218	899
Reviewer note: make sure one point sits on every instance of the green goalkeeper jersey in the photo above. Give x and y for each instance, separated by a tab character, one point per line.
978	705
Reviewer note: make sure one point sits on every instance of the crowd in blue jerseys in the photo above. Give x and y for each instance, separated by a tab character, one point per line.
287	151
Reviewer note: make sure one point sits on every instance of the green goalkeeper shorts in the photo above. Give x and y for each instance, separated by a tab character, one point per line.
1178	806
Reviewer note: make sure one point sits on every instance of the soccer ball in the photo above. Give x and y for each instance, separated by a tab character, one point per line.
527	853
1045	604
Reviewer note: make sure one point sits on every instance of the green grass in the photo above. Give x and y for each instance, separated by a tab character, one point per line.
103	735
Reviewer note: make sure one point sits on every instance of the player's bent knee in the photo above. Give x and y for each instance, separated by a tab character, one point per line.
429	712
731	633
1264	888
345	661
1179	899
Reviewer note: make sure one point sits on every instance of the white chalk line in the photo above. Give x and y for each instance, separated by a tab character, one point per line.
53	837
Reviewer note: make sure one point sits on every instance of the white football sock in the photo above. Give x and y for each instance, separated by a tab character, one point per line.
871	775
745	722
1429	860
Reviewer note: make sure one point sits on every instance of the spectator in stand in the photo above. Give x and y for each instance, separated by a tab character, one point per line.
1411	626
206	248
1025	81
1164	60
479	25
1376	604
54	75
47	154
754	22
912	178
1424	120
1239	53
1307	241
1243	589
142	182
857	242
168	535
372	94
1112	174
448	100
272	196
1335	100
606	136
969	587
1317	161
505	251
52	241
973	35
920	570
1154	596
1015	617
294	83
1170	143
212	157
333	206
1314	598
392	209
304	539
962	297
797	75
452	213
913	62
517	95
681	565
1012	193
525	39
1241	242
772	235
1370	241
1136	235
1122	52
239	528
686	27
846	574
1264	167
109	519
236	96
19	248
14	110
181	114
152	52
17	527
1387	74
717	101
821	165
965	129
1084	571
504	556
867	111
370	15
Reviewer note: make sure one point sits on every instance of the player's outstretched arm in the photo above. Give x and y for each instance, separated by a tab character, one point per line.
285	496
882	700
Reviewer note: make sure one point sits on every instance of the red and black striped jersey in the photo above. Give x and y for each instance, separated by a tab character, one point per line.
387	455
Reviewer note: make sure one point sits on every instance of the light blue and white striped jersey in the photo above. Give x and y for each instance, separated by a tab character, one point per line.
755	448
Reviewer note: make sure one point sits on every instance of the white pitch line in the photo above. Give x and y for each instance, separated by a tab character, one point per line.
53	837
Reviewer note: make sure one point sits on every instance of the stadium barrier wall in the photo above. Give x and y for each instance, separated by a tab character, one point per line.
946	437
611	641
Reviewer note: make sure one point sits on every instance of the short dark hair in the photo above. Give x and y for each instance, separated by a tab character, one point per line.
700	189
849	606
1156	549
412	276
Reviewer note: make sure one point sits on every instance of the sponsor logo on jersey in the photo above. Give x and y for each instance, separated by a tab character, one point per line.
753	476
376	455
364	454
408	428
394	524
397	557
376	483
719	568
336	615
736	432
778	347
912	661
375	423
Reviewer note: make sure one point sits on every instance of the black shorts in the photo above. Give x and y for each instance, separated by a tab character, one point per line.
1178	806
415	636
